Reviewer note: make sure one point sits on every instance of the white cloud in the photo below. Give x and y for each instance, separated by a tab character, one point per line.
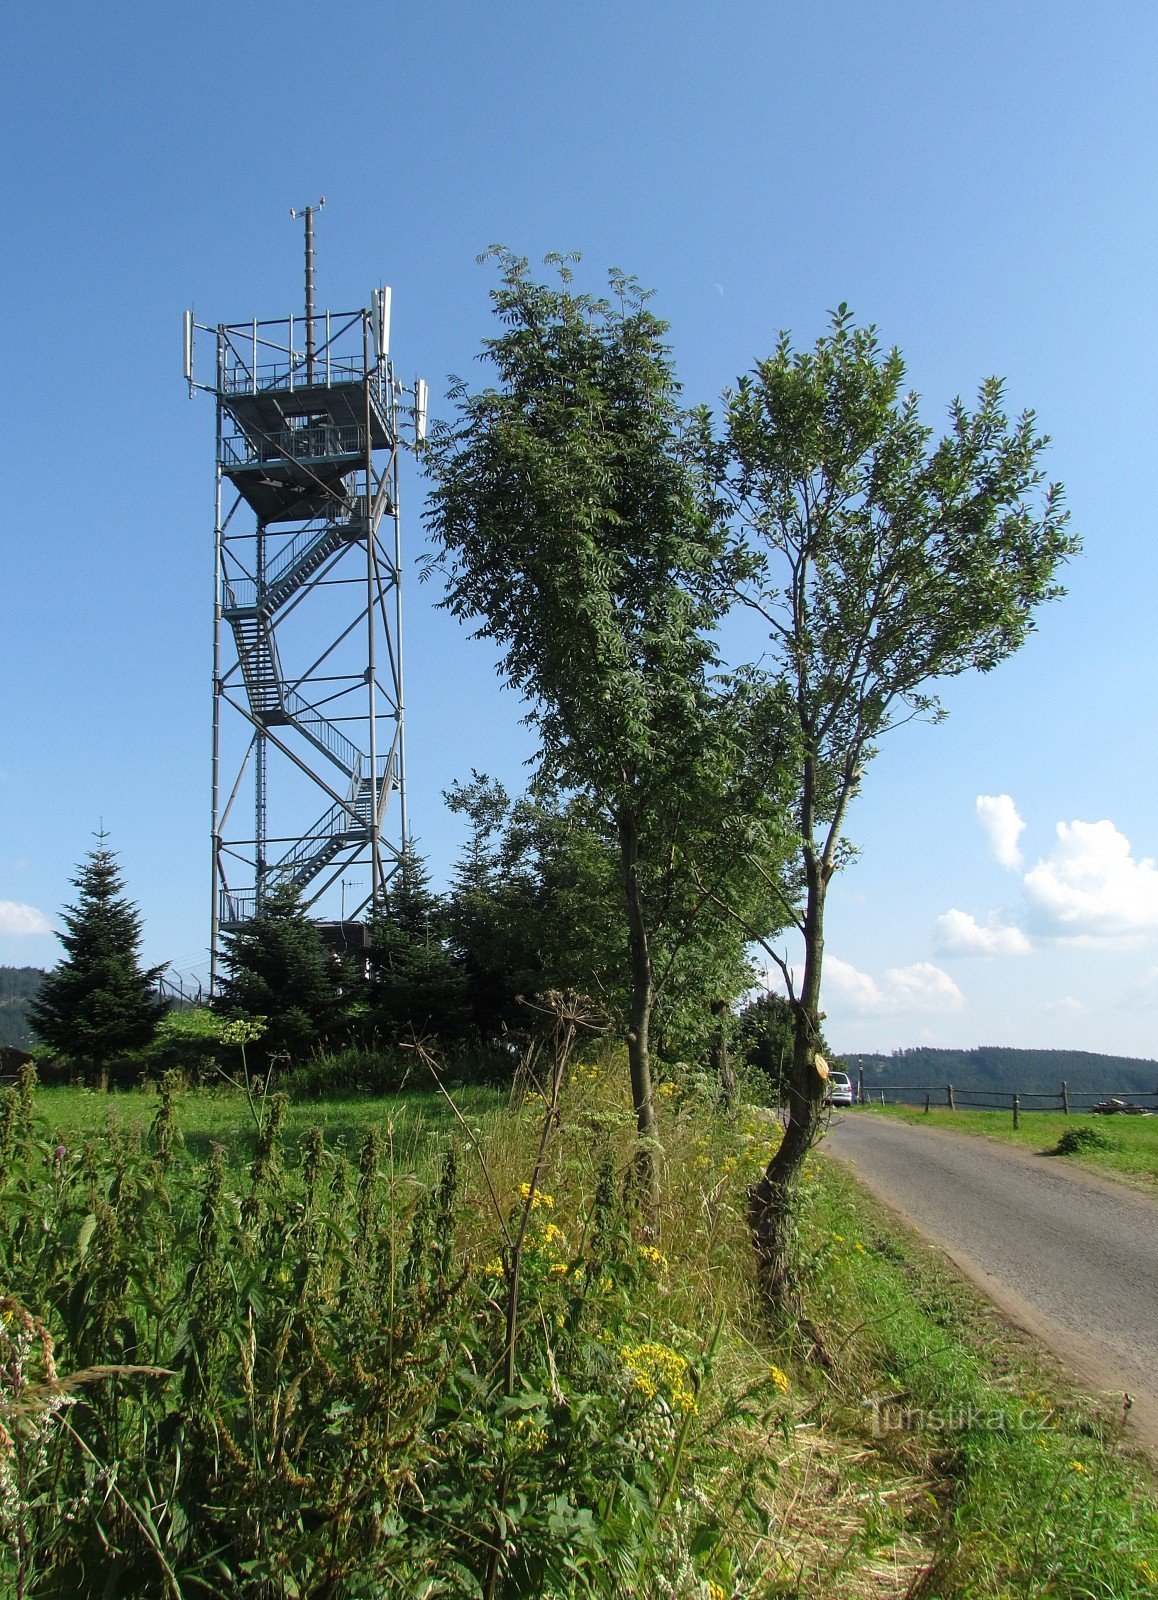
1068	1006
1142	995
1091	886
920	988
959	934
997	814
17	919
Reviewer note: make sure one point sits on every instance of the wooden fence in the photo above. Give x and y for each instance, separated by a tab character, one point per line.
1064	1099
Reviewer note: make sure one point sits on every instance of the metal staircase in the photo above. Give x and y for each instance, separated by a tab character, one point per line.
335	830
307	639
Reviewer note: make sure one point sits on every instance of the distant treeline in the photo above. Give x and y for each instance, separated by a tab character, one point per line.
997	1068
18	985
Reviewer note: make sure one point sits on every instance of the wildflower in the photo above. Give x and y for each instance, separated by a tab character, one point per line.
779	1379
838	1238
1078	1466
654	1368
716	1591
667	1089
656	1257
859	1246
554	1238
529	1432
243	1030
537	1199
493	1268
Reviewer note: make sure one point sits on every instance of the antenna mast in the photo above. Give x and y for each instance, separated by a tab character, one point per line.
308	213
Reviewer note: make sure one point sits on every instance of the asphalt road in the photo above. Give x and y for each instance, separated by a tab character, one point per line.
1071	1257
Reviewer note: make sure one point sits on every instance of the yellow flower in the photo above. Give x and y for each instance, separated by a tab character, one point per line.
537	1199
554	1238
493	1269
859	1246
716	1592
529	1432
655	1368
656	1257
779	1379
838	1238
1078	1466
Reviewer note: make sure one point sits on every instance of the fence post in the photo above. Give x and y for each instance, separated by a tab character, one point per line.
1065	1097
860	1086
1016	1108
950	1092
926	1102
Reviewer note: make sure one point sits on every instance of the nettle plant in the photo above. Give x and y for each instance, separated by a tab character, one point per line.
308	1374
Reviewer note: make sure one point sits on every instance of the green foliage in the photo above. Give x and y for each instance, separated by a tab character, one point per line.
415	988
1009	1070
571	519
882	561
1076	1141
98	1006
18	987
293	1379
765	1034
186	1042
276	967
534	905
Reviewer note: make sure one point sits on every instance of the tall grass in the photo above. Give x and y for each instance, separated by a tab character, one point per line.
410	1371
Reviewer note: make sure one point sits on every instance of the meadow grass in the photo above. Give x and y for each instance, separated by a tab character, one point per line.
1130	1149
454	1362
419	1119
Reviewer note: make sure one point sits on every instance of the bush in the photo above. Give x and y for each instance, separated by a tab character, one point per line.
1074	1141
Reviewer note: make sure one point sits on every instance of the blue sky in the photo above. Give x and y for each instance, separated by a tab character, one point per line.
978	181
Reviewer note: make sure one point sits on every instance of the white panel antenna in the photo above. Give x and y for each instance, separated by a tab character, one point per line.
380	318
188	344
420	397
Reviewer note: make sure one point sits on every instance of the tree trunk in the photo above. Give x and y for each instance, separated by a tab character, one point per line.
722	1057
646	1178
770	1202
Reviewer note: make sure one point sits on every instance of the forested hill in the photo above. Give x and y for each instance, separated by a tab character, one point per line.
17	987
994	1067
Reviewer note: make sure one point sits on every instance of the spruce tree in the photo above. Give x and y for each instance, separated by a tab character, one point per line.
277	967
99	1004
416	987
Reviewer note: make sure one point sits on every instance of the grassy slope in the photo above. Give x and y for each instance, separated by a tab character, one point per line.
1015	1489
209	1116
1132	1142
1005	1482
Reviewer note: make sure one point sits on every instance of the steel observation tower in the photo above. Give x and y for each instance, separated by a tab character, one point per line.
309	755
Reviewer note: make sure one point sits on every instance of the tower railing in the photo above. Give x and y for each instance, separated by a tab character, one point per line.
315	443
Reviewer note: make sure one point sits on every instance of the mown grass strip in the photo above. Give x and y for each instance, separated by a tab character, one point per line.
1129	1146
1028	1488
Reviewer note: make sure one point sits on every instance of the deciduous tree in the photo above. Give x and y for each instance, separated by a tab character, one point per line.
882	561
571	520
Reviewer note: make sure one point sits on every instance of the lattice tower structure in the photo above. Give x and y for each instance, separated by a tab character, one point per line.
309	756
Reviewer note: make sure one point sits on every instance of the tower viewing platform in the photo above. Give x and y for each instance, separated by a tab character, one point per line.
309	768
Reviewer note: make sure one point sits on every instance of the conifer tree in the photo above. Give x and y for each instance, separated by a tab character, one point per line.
98	1004
277	967
416	987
